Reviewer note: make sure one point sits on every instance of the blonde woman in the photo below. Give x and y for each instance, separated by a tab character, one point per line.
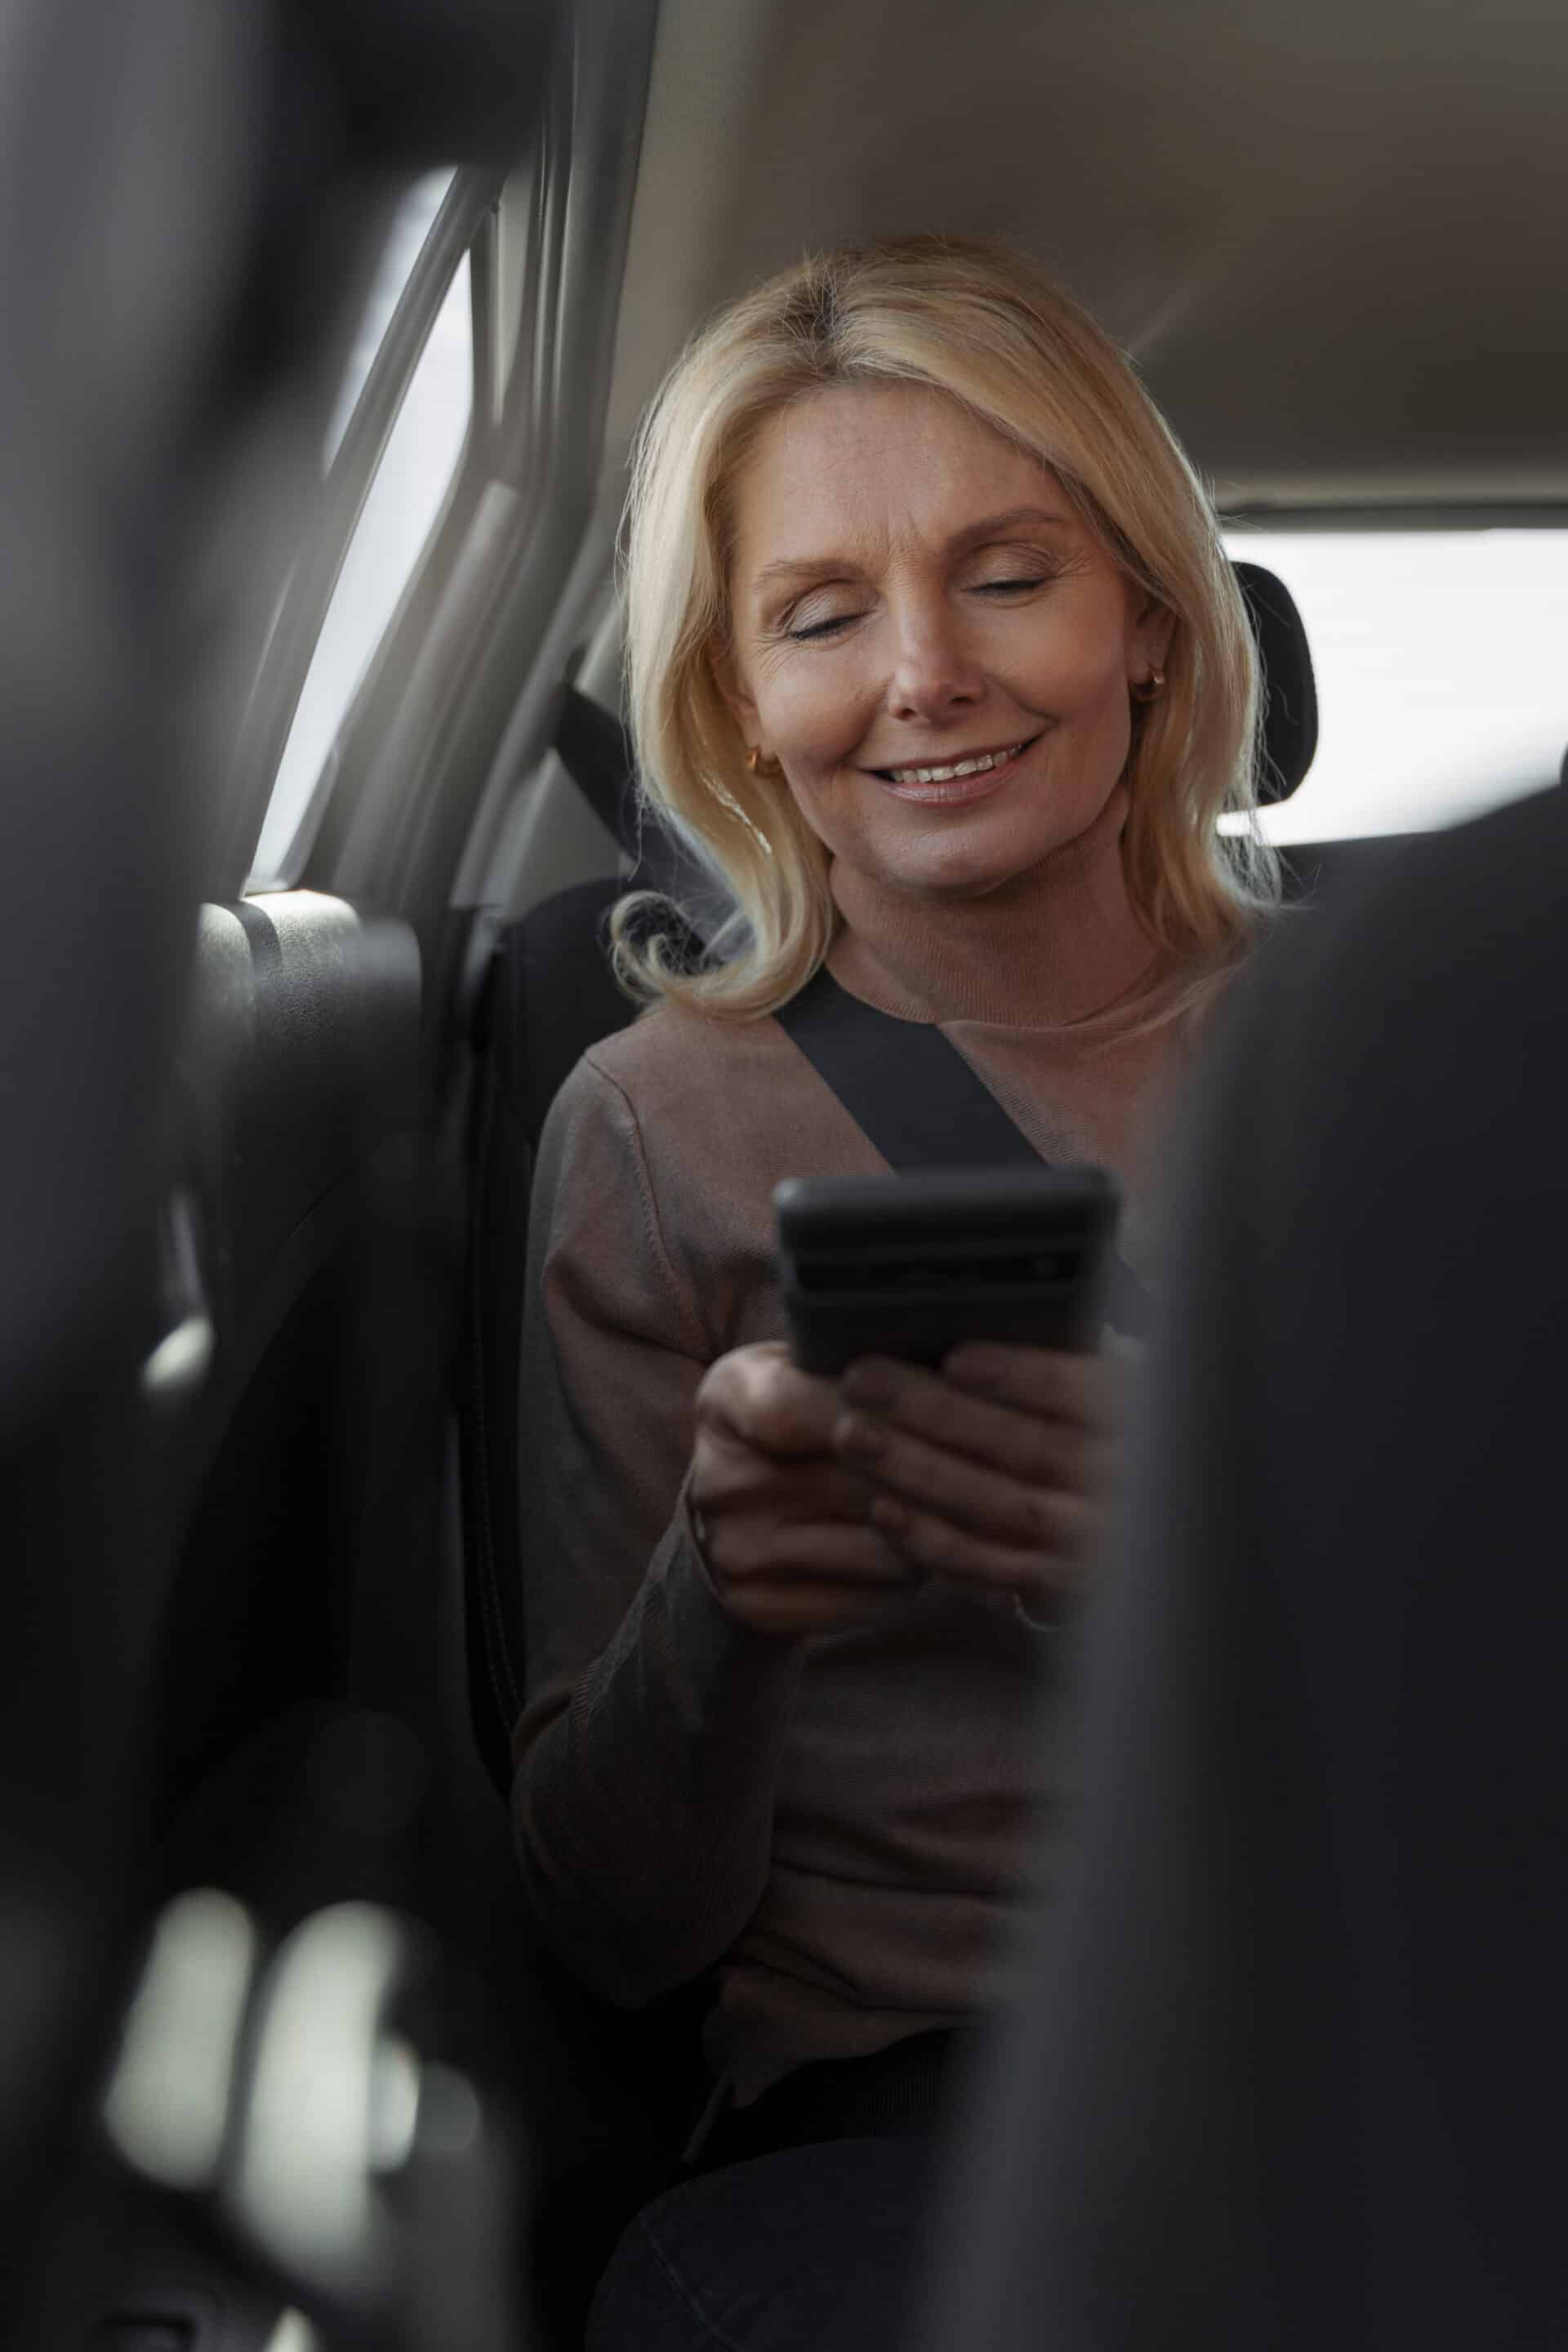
935	655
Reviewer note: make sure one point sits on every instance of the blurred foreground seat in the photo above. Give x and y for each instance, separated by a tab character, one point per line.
1290	2070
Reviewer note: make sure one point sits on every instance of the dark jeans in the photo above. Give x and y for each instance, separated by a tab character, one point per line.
813	2249
805	2232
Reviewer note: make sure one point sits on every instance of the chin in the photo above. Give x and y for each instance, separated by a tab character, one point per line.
971	869
956	875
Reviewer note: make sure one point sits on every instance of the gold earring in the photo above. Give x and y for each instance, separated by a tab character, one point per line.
760	767
1149	689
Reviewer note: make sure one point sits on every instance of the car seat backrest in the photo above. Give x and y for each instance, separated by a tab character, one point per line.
549	994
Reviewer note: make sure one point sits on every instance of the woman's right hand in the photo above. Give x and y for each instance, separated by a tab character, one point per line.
783	1524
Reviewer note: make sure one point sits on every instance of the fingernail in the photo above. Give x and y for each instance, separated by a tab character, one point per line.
871	1382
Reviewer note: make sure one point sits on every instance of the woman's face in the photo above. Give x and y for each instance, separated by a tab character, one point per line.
911	594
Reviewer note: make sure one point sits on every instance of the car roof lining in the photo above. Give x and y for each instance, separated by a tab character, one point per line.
1334	240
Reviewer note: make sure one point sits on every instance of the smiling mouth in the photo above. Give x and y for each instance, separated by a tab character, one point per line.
955	779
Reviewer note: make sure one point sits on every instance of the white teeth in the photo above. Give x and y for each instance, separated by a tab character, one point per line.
978	767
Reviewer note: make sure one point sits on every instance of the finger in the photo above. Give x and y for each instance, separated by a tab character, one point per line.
938	1548
1022	1443
758	1549
727	1474
970	1493
994	1440
761	1397
1052	1382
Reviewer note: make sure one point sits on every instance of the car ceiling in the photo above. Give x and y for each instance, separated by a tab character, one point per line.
1334	238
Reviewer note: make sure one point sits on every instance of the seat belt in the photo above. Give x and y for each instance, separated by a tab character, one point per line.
592	748
911	1093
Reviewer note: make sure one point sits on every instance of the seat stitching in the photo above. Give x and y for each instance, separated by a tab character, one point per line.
674	2278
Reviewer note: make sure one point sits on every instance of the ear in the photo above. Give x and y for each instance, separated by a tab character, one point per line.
732	687
1151	626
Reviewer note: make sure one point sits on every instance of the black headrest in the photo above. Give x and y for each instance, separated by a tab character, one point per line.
1290	696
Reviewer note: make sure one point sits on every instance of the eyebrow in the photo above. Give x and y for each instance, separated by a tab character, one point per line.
977	535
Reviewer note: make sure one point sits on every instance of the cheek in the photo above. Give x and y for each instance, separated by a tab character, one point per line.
1106	690
1087	681
1108	723
1090	658
814	715
1085	684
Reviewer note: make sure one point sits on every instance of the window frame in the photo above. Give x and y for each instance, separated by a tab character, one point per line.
460	225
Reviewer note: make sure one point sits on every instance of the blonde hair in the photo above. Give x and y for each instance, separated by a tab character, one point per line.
978	324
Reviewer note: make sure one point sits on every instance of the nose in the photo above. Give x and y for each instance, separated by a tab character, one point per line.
933	674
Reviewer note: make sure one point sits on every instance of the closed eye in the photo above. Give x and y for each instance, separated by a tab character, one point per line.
822	628
816	632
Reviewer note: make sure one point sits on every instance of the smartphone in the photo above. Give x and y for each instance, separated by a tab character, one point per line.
911	1266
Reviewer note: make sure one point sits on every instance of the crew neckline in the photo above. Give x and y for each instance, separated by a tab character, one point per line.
857	973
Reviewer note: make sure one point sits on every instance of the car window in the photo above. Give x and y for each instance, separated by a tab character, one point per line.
404	500
1442	689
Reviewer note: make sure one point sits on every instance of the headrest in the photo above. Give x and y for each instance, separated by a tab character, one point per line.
1289	694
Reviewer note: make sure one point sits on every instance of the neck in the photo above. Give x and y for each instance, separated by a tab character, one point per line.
1055	945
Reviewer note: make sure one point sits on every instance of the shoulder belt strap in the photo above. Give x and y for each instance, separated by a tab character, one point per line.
595	753
910	1090
906	1085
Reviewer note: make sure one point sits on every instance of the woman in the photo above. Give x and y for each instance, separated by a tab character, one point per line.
934	652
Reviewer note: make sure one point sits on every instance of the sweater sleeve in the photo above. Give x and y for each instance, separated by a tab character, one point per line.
647	1753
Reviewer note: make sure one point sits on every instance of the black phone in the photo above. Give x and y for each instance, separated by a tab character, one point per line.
912	1265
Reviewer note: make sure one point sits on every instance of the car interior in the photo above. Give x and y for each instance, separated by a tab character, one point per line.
1333	242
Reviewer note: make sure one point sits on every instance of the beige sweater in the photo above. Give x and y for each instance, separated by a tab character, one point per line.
833	1828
